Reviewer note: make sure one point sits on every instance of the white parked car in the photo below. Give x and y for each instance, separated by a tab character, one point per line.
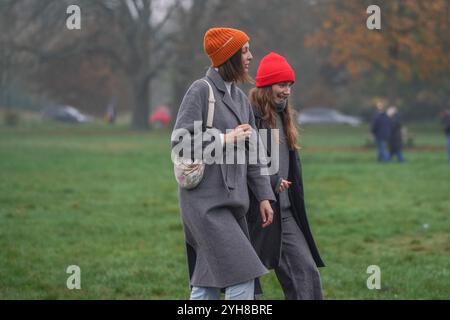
65	114
322	115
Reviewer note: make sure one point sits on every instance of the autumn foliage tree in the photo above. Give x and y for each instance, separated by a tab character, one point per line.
413	41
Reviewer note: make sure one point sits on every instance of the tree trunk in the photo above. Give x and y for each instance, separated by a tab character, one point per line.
392	89
392	86
141	92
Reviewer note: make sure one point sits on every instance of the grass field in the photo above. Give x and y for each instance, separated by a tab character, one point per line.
105	199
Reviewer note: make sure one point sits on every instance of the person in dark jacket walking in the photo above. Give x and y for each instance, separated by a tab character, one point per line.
220	254
287	245
381	130
395	137
446	124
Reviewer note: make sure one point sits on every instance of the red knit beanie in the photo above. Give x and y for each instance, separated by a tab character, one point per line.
272	69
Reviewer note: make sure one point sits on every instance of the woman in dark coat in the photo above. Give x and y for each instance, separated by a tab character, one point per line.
395	137
287	245
220	255
446	123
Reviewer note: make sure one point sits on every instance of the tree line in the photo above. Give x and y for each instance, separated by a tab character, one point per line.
141	53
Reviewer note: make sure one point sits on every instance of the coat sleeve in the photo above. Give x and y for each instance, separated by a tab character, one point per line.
259	184
275	181
190	124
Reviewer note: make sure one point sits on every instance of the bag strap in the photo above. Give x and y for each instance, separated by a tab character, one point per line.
211	102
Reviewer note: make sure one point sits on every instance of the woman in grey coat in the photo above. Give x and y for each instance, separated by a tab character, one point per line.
287	245
220	255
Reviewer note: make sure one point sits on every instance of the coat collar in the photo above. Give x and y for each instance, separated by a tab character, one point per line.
215	77
218	82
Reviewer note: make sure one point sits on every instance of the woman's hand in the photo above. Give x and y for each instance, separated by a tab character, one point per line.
266	213
284	185
239	133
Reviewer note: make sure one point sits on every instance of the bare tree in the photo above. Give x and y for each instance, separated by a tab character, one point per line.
192	23
123	31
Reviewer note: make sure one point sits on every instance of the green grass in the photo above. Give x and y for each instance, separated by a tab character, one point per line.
105	199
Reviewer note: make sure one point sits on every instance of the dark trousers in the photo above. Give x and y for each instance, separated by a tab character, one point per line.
383	155
297	272
398	154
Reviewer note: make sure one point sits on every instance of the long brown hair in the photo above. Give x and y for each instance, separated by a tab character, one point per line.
261	99
233	70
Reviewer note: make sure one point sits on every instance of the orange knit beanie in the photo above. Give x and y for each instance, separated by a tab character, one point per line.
220	44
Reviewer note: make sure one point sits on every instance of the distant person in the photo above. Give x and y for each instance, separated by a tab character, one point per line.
395	137
160	117
287	246
111	112
446	123
381	130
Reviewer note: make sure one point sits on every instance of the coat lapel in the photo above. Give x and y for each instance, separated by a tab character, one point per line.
261	125
214	76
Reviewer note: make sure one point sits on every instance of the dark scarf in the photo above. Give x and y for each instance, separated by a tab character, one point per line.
279	107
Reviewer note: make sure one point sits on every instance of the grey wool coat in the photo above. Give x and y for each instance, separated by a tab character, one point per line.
214	213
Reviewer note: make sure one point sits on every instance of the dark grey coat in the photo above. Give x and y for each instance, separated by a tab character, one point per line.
214	213
395	138
267	241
